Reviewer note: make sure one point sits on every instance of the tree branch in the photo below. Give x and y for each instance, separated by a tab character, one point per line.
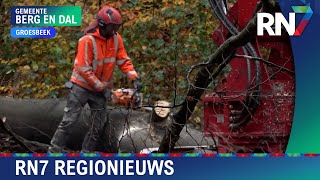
264	61
16	137
217	61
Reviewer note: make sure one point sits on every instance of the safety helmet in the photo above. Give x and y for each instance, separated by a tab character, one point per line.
108	15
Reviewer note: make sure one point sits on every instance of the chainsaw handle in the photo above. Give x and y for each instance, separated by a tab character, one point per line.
137	85
127	97
137	100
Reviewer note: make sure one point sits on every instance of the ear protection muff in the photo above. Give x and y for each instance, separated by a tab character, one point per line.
101	23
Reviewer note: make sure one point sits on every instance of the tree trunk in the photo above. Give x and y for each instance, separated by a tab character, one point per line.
159	113
35	121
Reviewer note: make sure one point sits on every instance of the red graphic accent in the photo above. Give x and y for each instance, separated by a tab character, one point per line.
73	154
277	155
39	154
5	155
175	155
243	155
141	155
107	155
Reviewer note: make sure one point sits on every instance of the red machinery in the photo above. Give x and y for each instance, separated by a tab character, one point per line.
264	124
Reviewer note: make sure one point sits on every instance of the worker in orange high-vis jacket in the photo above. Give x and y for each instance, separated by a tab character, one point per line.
98	52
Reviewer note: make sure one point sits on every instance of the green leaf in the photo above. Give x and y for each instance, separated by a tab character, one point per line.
34	66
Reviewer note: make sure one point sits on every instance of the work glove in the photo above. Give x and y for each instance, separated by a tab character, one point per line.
137	85
107	93
68	85
102	87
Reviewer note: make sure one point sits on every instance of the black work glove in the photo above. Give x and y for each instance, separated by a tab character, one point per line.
137	85
107	93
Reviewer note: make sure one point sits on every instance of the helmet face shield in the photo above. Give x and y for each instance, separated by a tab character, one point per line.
110	27
115	27
108	30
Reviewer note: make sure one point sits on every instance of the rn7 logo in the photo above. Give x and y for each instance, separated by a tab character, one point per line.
279	20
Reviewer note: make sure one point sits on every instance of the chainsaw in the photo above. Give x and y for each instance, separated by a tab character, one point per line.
130	98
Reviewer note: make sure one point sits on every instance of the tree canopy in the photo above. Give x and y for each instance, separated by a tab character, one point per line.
163	38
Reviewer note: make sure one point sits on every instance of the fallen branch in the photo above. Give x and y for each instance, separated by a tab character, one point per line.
14	135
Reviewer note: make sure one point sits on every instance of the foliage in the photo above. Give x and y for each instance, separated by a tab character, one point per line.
162	37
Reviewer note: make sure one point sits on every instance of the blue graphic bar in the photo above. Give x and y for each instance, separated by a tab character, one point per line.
23	166
41	32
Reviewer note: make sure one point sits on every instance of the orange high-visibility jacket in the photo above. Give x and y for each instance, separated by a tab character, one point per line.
96	59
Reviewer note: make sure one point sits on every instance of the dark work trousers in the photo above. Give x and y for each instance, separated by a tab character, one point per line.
76	101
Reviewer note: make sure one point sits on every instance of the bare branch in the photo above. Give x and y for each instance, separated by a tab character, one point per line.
264	61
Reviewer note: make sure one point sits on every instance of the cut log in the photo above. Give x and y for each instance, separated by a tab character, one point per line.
161	111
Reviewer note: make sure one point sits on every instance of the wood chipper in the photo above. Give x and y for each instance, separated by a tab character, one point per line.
251	110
